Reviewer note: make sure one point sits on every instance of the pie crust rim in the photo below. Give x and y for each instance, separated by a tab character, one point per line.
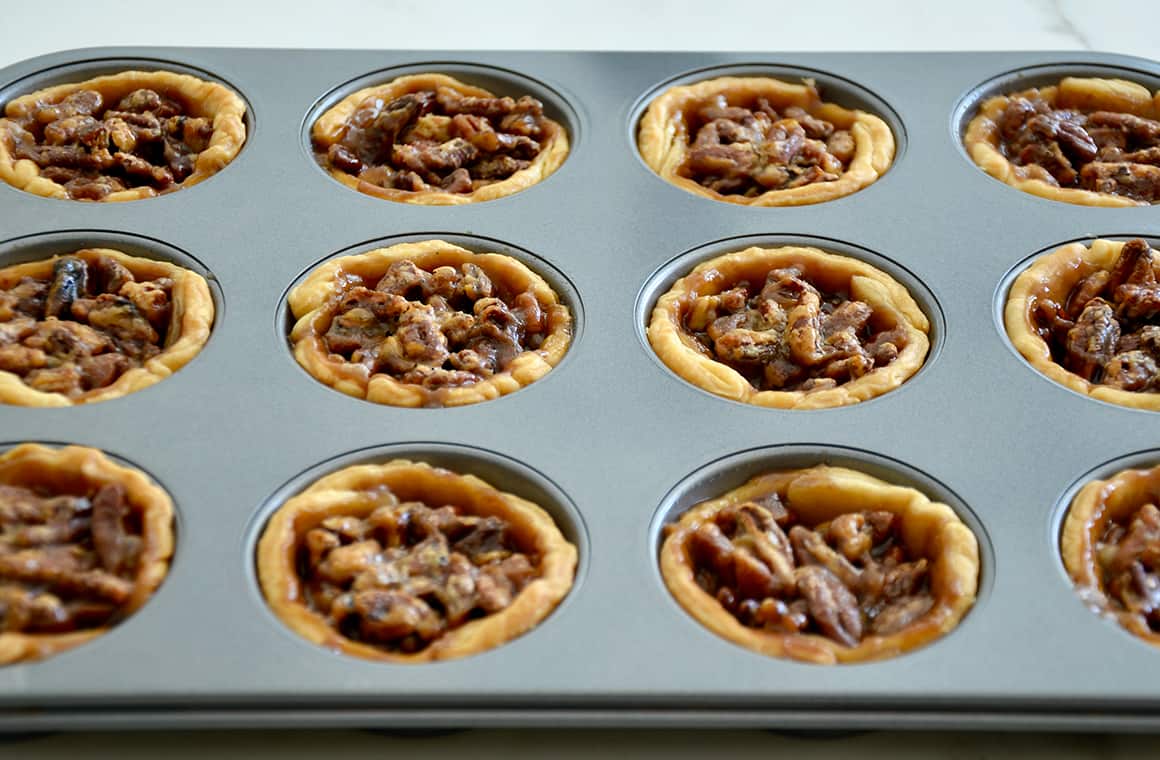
309	301
982	135
817	494
350	491
327	129
202	97
663	138
33	462
888	298
190	324
1055	274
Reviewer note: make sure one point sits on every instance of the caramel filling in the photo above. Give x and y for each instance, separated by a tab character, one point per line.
439	140
788	335
85	327
94	148
436	329
751	150
67	562
1107	331
1102	151
408	573
845	579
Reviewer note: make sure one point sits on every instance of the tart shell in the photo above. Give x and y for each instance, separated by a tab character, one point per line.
982	138
355	491
328	130
1098	503
81	470
663	138
819	494
1052	277
189	328
309	301
201	98
892	305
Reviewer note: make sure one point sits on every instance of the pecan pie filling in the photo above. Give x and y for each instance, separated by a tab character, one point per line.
1128	554
85	326
786	334
844	579
750	150
823	564
438	139
94	147
1107	330
409	572
427	324
67	562
1102	151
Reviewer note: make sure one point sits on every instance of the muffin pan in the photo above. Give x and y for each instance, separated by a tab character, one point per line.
610	441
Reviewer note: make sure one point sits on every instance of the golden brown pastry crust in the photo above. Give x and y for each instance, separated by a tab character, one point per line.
982	137
817	495
663	138
189	328
892	304
1098	503
82	470
204	99
309	301
328	130
357	491
1053	276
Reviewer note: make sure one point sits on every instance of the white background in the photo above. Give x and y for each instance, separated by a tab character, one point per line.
33	27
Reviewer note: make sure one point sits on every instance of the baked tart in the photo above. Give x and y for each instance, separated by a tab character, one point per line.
1088	317
96	324
758	141
790	327
427	324
1094	142
824	565
84	543
120	137
405	562
433	140
1111	548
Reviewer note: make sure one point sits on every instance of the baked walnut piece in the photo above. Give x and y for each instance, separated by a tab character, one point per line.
1089	141
432	139
410	563
427	324
1111	548
792	327
823	564
1090	318
121	137
83	542
762	142
74	327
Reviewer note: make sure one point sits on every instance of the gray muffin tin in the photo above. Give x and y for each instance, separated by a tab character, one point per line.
612	442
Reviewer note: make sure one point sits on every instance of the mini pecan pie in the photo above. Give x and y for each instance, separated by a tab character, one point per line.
96	324
84	542
824	565
1111	548
434	140
427	324
1094	142
121	137
411	563
1089	319
790	327
762	142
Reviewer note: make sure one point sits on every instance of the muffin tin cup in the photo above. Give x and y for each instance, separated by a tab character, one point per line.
611	429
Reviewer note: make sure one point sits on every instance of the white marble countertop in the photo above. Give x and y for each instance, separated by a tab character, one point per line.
1121	26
